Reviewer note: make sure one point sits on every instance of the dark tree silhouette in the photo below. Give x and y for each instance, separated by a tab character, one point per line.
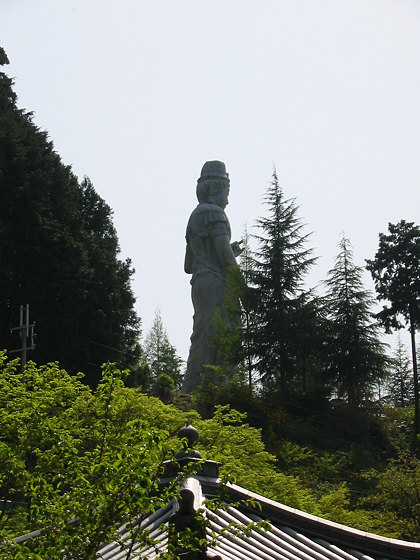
396	273
59	253
356	357
280	264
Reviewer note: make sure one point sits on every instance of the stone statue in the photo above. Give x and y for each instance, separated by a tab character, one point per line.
209	256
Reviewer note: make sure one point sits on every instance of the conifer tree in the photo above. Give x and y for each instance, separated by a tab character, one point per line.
400	383
59	253
162	359
356	357
248	325
280	264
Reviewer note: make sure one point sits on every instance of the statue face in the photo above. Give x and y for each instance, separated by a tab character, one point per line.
221	198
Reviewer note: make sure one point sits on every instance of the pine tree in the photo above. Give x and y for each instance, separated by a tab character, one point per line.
356	357
280	264
162	359
400	383
309	347
59	253
248	326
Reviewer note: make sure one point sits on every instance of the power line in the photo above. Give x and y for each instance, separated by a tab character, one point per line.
112	348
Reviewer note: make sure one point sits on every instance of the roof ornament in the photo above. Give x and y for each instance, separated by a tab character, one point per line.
190	434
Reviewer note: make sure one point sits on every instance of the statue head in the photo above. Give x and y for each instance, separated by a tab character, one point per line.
213	182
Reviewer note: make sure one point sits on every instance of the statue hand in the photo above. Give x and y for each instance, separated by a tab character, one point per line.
236	248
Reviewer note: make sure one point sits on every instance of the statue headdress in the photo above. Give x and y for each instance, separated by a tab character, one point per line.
213	177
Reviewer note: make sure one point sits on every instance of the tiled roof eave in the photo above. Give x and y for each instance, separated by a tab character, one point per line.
324	530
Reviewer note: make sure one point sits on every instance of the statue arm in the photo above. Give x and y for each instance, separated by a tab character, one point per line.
224	250
188	262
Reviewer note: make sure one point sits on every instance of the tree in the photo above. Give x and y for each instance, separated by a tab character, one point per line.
395	271
397	494
162	359
400	382
309	347
356	357
280	264
60	254
81	477
247	269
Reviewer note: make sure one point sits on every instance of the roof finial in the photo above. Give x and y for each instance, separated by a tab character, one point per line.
191	435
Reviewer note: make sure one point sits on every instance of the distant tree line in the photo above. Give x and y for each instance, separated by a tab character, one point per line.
296	344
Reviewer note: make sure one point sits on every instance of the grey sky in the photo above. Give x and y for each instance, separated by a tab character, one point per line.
139	94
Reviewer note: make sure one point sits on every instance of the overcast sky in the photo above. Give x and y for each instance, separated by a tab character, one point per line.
138	94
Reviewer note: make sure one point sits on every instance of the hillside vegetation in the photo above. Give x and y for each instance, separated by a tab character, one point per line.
68	451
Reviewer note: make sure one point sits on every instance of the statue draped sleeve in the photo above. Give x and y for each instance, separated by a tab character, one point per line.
207	222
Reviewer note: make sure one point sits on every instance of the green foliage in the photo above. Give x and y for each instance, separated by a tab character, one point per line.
279	267
398	425
400	383
163	362
228	331
79	460
318	470
240	450
79	463
356	358
59	253
48	392
397	494
3	57
246	264
86	462
337	505
395	271
341	492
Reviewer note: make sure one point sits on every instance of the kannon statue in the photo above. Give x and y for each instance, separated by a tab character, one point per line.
209	256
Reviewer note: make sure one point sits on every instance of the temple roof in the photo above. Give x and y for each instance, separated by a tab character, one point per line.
291	534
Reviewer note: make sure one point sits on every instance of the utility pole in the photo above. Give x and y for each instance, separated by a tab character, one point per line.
26	330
